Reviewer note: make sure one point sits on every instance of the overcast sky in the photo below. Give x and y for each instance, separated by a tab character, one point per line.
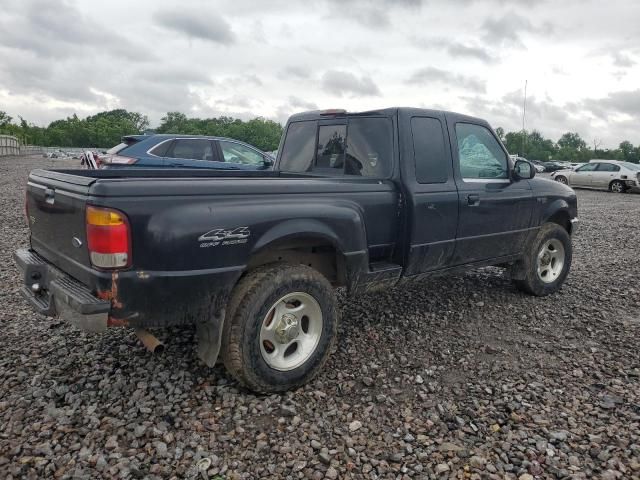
272	58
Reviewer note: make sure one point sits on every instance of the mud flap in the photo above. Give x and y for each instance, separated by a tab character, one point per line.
209	335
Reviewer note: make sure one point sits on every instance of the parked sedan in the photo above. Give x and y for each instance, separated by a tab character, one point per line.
185	151
613	175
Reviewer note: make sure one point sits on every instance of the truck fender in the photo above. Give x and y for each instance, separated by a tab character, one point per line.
557	211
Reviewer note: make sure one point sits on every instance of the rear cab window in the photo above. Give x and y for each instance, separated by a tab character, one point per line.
358	146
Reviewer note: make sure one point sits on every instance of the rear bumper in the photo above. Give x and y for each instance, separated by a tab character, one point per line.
54	293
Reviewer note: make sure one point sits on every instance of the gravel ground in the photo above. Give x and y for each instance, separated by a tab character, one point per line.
461	377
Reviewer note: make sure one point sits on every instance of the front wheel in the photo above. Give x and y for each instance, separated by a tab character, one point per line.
281	327
562	179
546	263
617	186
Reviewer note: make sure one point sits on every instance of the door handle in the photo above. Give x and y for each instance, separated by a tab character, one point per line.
473	199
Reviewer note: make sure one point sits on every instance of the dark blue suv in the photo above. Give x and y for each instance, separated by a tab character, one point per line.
185	151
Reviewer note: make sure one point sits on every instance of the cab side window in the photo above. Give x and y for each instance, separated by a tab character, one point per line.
429	152
479	153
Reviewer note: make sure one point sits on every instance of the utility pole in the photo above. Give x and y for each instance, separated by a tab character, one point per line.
524	112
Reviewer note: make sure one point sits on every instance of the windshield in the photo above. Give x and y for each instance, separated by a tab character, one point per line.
631	166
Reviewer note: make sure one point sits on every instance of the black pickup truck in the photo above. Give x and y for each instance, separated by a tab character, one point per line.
358	200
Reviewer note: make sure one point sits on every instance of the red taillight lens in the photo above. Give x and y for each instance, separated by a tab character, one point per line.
108	238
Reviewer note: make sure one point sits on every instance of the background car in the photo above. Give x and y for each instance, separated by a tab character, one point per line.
185	151
614	175
553	166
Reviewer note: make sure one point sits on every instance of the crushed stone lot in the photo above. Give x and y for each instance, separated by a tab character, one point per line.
458	377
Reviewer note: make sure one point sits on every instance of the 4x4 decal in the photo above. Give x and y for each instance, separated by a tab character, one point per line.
224	236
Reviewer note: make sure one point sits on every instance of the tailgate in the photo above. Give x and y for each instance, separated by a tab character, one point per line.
56	209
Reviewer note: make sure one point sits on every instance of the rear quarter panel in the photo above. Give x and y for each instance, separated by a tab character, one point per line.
192	239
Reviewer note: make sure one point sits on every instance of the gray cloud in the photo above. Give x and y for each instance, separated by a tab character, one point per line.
430	75
621	102
296	102
457	49
345	83
59	31
623	60
196	24
296	72
469	51
506	31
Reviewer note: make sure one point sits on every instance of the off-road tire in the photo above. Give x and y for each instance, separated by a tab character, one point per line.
250	301
527	279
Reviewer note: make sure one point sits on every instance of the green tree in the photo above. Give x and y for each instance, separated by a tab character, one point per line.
262	133
572	141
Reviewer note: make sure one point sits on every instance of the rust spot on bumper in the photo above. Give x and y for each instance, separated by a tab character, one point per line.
117	322
111	295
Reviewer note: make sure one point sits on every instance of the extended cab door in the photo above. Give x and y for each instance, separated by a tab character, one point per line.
432	196
495	210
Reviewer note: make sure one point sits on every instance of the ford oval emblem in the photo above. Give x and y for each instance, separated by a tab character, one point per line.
76	242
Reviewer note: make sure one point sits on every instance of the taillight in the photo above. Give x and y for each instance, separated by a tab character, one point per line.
108	238
119	160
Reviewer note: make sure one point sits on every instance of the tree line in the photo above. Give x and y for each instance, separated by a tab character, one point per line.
105	129
569	147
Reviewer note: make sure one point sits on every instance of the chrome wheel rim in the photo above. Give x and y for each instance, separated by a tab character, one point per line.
616	187
290	331
550	260
562	180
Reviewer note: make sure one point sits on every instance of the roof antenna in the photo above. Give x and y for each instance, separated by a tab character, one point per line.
524	112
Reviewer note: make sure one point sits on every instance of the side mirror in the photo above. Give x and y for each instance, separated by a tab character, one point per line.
268	161
523	170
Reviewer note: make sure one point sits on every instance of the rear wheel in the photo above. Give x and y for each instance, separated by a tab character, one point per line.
617	186
562	179
281	326
546	263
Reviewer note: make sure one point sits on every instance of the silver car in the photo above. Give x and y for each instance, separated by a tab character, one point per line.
613	175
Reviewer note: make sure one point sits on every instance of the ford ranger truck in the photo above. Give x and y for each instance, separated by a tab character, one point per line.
364	201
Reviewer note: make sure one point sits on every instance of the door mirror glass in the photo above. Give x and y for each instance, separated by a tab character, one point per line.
524	170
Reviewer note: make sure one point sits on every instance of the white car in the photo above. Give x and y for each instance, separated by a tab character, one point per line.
614	175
